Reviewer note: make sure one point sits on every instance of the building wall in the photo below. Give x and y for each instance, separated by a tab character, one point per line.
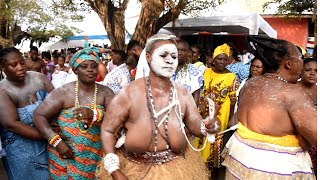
295	31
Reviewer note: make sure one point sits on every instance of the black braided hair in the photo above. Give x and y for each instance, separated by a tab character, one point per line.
4	52
269	50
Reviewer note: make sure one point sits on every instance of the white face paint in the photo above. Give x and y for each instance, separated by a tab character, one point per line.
165	60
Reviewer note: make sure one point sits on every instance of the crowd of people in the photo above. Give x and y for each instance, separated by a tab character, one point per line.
146	113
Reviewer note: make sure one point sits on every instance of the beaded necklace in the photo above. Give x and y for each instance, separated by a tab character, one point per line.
92	107
156	129
275	76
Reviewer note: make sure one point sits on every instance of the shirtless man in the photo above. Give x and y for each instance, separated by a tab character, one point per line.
154	148
20	93
276	119
34	63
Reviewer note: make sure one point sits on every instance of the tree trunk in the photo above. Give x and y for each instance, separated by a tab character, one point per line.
116	27
113	20
149	15
150	21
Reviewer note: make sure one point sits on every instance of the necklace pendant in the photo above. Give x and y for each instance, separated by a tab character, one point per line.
85	126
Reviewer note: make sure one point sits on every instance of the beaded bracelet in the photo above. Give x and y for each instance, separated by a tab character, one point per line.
55	144
203	129
54	138
97	115
111	162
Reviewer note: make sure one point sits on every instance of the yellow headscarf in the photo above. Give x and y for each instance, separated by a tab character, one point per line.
223	49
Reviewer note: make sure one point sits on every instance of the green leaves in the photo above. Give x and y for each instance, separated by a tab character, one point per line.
293	7
42	19
195	7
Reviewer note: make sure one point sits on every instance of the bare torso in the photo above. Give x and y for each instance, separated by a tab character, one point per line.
311	92
262	108
67	91
139	125
34	65
272	107
24	95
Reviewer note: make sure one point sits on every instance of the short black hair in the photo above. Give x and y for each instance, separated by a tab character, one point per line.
33	48
132	44
63	57
46	55
121	53
4	52
307	60
183	42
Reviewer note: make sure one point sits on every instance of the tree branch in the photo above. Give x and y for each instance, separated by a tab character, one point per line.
171	15
124	5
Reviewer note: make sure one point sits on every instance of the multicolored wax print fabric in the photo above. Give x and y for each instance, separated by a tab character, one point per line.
87	148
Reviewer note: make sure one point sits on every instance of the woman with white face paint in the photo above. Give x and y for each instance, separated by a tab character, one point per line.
156	144
164	59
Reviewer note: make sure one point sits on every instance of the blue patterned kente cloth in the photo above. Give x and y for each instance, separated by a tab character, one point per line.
25	159
190	77
241	70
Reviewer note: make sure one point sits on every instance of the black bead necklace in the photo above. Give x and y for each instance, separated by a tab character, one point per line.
156	129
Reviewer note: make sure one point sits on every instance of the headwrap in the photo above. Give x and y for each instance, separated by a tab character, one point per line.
157	37
223	49
86	54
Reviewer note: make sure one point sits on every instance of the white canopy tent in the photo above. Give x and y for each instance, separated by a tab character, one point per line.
251	23
63	45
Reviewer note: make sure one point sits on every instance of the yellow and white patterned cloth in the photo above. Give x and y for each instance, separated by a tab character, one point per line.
262	157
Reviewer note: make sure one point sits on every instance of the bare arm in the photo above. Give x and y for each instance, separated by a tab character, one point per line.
196	96
232	104
116	114
47	84
193	119
108	98
9	119
49	108
303	114
43	67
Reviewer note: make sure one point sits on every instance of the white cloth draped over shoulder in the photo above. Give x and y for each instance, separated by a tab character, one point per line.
143	68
